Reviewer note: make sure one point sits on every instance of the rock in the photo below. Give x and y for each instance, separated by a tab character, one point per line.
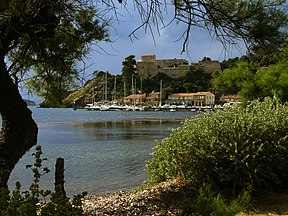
168	198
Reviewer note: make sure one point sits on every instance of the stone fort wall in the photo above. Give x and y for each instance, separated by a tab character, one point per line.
148	66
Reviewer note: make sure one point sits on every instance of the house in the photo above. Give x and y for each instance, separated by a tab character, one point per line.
230	98
135	98
204	99
181	98
154	98
195	99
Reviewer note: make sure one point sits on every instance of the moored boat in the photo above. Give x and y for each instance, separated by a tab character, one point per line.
93	106
116	107
173	108
105	107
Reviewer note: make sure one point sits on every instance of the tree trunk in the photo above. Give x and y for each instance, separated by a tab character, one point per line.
19	131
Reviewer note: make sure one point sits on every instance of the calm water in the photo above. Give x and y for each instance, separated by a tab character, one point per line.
103	151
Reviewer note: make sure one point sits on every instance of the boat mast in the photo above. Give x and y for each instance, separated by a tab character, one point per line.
106	86
93	96
160	104
124	89
103	90
115	90
134	90
141	85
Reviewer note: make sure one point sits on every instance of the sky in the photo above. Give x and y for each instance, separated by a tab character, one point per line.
165	45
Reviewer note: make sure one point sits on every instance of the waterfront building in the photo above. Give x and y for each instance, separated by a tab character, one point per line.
154	98
195	99
135	99
230	98
181	98
204	99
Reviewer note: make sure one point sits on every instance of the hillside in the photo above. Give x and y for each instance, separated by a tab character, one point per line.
85	94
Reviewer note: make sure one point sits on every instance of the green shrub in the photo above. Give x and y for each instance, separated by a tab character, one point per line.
210	204
228	149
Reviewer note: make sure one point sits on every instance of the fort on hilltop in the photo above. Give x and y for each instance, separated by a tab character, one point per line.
148	66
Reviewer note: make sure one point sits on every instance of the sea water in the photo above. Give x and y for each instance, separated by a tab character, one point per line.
103	151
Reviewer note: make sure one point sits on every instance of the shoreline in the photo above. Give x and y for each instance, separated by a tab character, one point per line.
165	198
171	198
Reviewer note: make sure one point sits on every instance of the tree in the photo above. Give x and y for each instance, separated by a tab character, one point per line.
273	81
196	80
253	81
19	131
153	84
268	32
230	63
54	59
228	20
231	81
128	69
28	30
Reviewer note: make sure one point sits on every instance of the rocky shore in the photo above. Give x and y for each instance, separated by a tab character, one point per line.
171	198
167	198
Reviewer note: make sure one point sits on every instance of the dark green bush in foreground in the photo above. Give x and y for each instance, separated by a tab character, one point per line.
230	149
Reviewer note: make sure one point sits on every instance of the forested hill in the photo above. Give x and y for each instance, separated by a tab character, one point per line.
92	90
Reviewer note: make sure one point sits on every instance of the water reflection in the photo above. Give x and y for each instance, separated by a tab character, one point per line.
128	129
100	156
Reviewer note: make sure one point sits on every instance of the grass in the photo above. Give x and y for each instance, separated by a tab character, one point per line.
272	204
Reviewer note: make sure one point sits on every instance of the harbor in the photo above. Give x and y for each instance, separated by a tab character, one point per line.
165	108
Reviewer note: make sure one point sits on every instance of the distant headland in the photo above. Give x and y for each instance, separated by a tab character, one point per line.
29	102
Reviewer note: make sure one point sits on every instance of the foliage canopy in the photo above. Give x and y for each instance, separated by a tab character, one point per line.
253	81
53	59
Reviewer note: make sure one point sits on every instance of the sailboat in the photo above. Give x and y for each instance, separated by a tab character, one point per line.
93	105
133	107
115	106
173	108
159	108
105	107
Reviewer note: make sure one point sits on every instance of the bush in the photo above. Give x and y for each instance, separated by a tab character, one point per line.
228	149
210	204
29	203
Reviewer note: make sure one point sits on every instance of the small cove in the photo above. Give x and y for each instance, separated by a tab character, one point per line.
103	151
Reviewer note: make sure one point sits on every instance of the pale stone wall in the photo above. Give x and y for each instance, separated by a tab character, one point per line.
147	69
210	66
148	66
148	58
